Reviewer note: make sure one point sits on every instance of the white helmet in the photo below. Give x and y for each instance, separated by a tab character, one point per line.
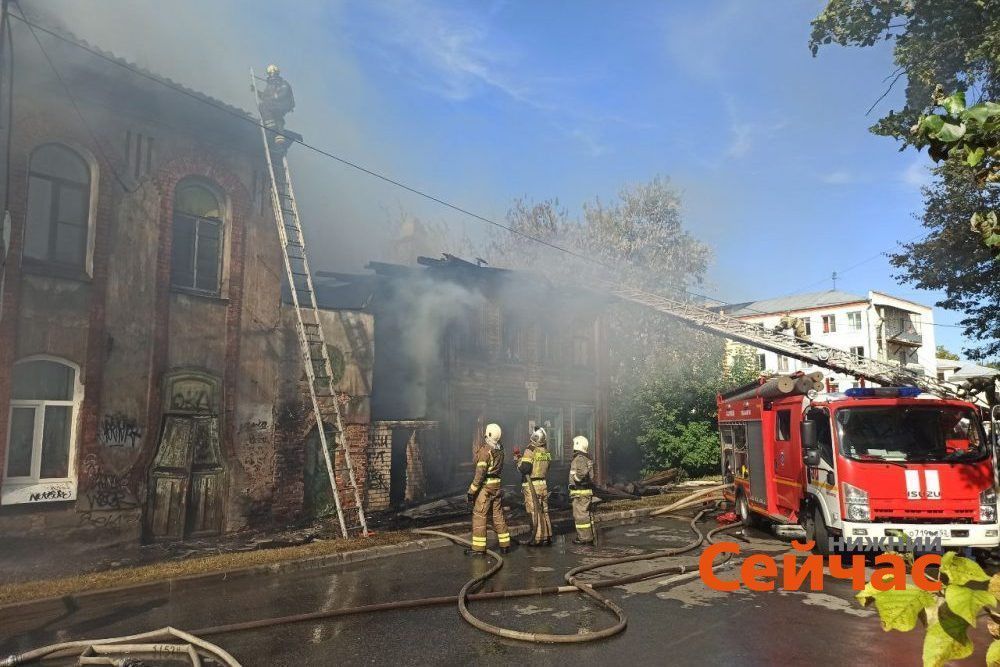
493	432
273	70
581	444
540	437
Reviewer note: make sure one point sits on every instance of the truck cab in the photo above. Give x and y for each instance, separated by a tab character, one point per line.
867	464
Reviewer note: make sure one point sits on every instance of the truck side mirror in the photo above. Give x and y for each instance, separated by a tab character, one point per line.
807	433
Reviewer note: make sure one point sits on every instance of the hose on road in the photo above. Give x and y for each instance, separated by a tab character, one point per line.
574	585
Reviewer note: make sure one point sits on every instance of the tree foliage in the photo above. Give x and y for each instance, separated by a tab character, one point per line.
945	353
949	53
637	238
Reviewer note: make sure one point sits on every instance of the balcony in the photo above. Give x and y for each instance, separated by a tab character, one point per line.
903	331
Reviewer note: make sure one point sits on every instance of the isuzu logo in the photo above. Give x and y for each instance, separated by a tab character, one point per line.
931	489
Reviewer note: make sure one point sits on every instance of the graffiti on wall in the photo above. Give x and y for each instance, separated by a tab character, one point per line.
46	492
106	490
379	459
119	430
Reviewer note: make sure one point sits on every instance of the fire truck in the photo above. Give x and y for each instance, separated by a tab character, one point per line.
865	464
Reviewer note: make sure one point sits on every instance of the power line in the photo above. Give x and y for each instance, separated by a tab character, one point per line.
349	163
98	144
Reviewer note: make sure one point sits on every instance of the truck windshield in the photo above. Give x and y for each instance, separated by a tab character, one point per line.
910	433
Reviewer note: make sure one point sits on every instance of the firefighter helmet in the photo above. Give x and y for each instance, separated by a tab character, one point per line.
581	444
273	70
539	437
493	432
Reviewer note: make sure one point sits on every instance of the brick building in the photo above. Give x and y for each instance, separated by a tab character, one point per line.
149	374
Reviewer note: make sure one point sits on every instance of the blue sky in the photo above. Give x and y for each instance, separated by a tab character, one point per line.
482	102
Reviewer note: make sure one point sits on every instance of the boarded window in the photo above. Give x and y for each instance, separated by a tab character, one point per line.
58	209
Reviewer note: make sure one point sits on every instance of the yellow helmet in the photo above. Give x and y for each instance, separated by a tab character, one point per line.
581	444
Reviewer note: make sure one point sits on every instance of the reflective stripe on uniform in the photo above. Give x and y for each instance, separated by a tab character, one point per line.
481	463
583	526
478	540
473	488
581	492
537	482
503	537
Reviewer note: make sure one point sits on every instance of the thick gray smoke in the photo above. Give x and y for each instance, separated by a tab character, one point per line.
210	46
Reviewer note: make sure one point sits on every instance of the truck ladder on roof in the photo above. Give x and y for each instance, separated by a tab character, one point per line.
309	327
756	335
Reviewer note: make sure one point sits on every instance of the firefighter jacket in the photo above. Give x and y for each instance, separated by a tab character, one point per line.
489	467
581	472
535	462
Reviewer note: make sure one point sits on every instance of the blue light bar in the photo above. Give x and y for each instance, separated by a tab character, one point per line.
883	392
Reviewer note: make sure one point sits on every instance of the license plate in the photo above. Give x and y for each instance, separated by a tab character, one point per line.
926	532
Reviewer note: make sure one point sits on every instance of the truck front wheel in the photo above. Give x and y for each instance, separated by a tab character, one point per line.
815	527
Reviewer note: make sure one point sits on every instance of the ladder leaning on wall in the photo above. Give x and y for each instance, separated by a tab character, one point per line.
309	327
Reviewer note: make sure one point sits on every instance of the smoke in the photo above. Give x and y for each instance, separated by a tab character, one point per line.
210	47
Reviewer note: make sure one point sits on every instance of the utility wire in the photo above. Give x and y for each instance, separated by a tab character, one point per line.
98	144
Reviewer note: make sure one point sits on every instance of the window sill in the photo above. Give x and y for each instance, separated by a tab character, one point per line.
204	296
49	270
36	493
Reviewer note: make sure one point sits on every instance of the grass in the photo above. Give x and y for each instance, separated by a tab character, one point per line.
144	574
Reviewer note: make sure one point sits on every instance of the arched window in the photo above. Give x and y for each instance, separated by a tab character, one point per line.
197	245
58	207
45	398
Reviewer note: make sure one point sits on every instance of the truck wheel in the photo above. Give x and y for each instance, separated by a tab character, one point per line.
816	531
743	511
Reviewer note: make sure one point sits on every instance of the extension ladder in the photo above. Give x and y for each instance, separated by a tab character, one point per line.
319	370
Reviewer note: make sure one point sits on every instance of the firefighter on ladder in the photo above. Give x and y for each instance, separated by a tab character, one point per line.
485	493
534	466
581	491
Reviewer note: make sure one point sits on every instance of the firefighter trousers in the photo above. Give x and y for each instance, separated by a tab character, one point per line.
581	514
487	504
539	512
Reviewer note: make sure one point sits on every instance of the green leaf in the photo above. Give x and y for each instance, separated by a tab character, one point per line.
954	103
993	654
867	594
899	610
967	602
982	112
975	156
994	585
931	124
961	570
950	132
946	640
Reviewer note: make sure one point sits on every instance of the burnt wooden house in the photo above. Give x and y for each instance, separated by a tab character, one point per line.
461	345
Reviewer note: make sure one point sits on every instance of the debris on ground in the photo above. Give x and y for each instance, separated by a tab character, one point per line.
727	518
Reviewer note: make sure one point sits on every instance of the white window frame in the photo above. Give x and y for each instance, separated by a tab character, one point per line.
855	350
784	363
854	322
829	323
33	488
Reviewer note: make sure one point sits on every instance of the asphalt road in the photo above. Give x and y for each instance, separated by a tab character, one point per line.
682	623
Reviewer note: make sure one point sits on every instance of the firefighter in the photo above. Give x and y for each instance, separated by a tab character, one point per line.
581	490
485	493
796	324
534	466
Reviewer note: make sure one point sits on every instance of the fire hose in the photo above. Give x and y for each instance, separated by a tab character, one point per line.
195	646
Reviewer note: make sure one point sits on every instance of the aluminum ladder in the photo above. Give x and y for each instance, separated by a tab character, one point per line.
309	327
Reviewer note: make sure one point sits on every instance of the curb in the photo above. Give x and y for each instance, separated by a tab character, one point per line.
72	601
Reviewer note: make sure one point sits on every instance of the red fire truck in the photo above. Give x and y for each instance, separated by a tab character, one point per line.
866	464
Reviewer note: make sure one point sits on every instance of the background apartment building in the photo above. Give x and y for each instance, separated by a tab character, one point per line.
879	326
